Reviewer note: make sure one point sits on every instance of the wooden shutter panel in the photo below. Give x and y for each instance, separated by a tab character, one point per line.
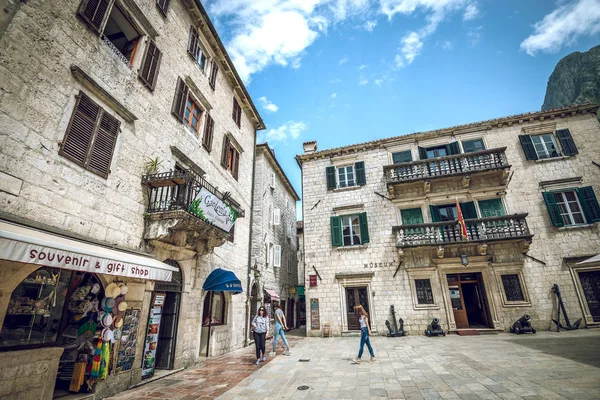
452	148
422	153
468	210
163	6
566	142
104	145
181	94
589	204
553	209
336	231
528	147
213	74
330	173
236	164
364	228
94	12
150	65
225	151
361	178
209	128
80	131
435	214
193	42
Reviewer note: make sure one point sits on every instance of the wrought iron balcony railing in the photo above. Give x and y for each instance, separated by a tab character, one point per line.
175	190
449	232
457	164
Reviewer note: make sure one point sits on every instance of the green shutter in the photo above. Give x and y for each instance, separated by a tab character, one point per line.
491	208
330	172
452	148
589	204
422	153
364	228
336	231
411	216
402	157
528	147
435	214
361	178
468	210
566	142
553	209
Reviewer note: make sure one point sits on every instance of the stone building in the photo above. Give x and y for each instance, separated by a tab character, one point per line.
127	143
274	245
381	225
301	274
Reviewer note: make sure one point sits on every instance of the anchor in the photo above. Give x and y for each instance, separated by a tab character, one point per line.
395	332
561	306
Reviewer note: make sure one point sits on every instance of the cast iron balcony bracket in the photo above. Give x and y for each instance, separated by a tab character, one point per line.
456	164
449	232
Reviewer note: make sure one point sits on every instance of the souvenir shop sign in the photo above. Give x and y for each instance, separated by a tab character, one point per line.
210	208
21	244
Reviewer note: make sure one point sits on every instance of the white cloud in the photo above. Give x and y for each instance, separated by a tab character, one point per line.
474	36
370	25
267	105
343	61
378	82
447	45
471	12
288	131
363	81
333	95
363	66
563	26
411	48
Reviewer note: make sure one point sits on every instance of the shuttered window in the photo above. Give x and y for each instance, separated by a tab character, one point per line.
230	158
149	71
209	128
213	74
91	136
544	146
163	6
277	254
237	113
180	100
94	12
349	230
276	216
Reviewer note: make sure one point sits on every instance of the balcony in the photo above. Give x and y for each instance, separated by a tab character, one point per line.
168	216
507	227
492	163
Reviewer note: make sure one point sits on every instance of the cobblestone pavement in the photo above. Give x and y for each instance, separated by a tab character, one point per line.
547	365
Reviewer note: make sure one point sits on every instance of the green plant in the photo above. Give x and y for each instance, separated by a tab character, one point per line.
152	165
196	210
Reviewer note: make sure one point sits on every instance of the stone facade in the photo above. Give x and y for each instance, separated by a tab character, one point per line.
273	233
50	55
396	259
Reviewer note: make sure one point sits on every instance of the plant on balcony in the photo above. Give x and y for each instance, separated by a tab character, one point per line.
152	165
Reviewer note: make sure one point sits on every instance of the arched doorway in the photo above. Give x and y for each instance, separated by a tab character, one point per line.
254	301
163	318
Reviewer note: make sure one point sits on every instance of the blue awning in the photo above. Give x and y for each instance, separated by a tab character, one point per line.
221	280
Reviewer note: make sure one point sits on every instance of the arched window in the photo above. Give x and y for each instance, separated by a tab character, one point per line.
217	309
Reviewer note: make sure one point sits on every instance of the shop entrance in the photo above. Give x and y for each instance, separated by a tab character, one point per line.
469	300
590	282
354	297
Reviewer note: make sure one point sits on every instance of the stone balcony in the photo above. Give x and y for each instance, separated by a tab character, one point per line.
481	230
168	216
490	165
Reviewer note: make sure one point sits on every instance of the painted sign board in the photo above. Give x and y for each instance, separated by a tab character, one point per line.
213	210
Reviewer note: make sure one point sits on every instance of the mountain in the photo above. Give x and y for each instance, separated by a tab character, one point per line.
575	80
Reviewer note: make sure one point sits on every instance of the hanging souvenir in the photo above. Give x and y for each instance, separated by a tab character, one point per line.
105	360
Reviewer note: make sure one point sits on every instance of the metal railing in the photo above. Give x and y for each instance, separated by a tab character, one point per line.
449	232
457	164
117	52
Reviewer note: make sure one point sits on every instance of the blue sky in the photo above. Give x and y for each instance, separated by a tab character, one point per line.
348	71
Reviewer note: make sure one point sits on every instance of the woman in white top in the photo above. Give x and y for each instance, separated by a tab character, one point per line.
260	327
365	332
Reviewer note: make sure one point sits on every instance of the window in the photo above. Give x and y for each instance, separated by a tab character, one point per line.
192	116
272	183
269	255
149	71
438	151
277	256
276	216
209	129
448	212
424	292
163	6
195	48
230	159
512	287
217	311
346	176
544	146
411	216
287	203
120	34
401	157
213	74
237	113
572	207
473	145
91	136
289	265
349	230
491	208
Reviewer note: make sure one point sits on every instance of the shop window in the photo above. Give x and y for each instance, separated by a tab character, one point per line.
424	292
512	287
217	310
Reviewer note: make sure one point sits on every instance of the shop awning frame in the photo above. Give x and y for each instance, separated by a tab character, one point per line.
28	245
273	294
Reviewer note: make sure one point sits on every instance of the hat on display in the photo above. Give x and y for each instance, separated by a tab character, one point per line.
118	321
108	303
108	335
112	290
107	320
122	306
95	288
124	289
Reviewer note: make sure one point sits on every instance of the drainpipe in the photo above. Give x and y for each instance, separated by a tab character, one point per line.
250	245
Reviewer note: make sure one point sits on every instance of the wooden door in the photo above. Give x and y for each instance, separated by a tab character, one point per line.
354	297
458	306
590	282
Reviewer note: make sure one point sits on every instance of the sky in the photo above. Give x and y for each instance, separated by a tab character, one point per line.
348	71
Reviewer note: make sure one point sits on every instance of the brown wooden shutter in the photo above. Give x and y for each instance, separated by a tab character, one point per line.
94	12
236	164
149	71
209	128
193	42
80	131
180	100
213	74
163	6
226	144
104	145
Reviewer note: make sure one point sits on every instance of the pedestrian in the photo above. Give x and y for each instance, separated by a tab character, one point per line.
365	332
260	327
280	327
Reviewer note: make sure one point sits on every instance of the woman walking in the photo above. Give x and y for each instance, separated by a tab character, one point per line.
260	327
365	332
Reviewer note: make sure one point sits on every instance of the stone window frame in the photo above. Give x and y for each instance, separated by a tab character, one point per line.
575	269
425	273
512	270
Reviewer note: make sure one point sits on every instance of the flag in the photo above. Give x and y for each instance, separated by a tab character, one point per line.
461	222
